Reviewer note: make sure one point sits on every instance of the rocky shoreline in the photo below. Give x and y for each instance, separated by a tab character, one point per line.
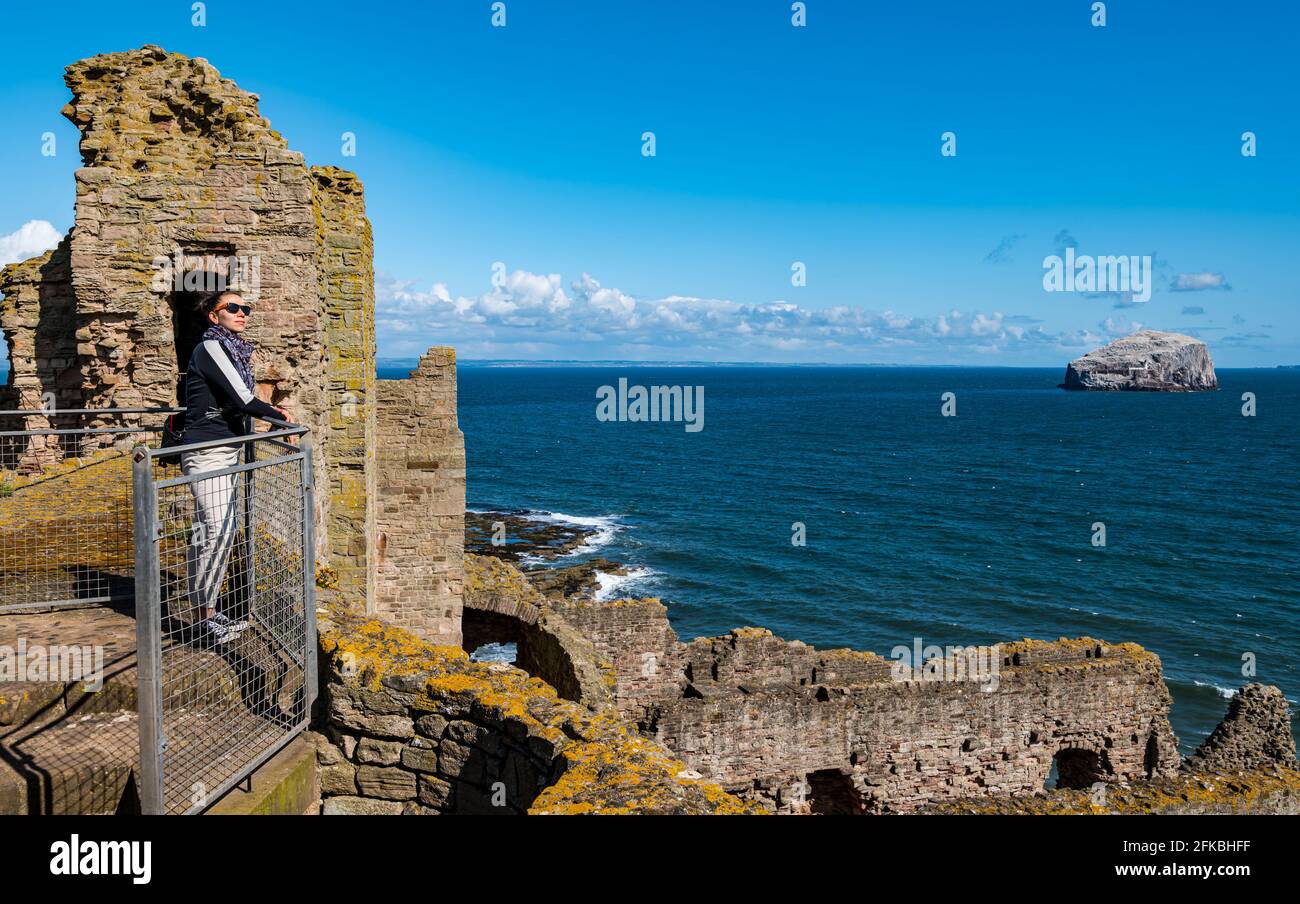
534	545
524	535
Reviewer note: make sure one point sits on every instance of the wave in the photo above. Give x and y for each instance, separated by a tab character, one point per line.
603	529
1226	692
597	531
495	652
1229	692
612	585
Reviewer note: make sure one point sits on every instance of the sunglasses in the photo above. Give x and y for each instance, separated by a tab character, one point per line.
231	308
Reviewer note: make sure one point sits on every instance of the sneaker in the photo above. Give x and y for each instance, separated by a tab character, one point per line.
219	634
234	627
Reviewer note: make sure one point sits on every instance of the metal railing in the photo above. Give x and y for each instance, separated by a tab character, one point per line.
225	610
209	546
65	505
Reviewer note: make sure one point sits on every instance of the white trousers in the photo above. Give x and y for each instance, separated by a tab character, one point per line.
216	520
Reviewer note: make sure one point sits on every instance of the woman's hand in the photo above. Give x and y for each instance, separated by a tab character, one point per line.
284	416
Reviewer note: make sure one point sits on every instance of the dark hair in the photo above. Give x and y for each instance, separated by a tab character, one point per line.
208	303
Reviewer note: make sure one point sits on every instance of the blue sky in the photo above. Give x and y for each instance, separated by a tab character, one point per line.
774	144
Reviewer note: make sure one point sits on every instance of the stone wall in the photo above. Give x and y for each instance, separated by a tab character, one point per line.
183	178
1272	790
636	640
501	606
1256	732
178	160
420	514
419	729
37	315
1246	766
345	256
837	731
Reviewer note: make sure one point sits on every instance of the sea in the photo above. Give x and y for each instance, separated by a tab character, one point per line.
870	506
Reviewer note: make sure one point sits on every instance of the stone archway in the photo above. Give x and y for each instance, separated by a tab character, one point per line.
545	647
480	628
832	793
1079	768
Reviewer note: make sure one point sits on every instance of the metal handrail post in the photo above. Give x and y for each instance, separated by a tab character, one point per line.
250	521
309	573
148	632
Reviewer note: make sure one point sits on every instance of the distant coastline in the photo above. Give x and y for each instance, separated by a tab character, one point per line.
409	363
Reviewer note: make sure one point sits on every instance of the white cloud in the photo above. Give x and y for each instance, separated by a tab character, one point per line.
31	239
1117	326
1199	282
589	320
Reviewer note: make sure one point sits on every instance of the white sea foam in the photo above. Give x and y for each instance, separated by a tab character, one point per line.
1225	692
600	531
495	652
611	586
603	529
1228	692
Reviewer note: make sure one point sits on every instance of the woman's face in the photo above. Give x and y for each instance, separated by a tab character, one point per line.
236	322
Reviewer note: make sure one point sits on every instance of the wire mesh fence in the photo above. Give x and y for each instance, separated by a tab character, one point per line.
226	611
65	505
194	572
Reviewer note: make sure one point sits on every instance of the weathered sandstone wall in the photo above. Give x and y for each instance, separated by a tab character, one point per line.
345	266
179	166
420	729
184	179
822	731
501	606
1263	791
420	511
179	159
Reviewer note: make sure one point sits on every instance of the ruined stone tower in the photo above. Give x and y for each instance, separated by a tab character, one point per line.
183	179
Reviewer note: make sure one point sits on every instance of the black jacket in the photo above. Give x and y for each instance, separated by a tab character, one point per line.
217	403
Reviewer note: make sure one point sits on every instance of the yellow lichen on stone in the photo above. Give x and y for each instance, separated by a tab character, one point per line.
1188	792
608	766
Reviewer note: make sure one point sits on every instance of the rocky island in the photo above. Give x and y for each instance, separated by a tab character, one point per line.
1149	361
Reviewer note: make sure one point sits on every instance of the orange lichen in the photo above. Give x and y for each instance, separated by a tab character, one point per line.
608	766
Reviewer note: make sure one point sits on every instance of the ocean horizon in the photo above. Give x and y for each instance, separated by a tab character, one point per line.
971	529
959	531
392	368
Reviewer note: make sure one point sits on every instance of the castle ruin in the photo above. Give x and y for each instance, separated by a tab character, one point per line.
607	711
185	185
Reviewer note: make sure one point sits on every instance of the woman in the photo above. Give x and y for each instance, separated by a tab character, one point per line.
218	400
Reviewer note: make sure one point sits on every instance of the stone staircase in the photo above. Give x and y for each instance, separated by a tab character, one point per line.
65	749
